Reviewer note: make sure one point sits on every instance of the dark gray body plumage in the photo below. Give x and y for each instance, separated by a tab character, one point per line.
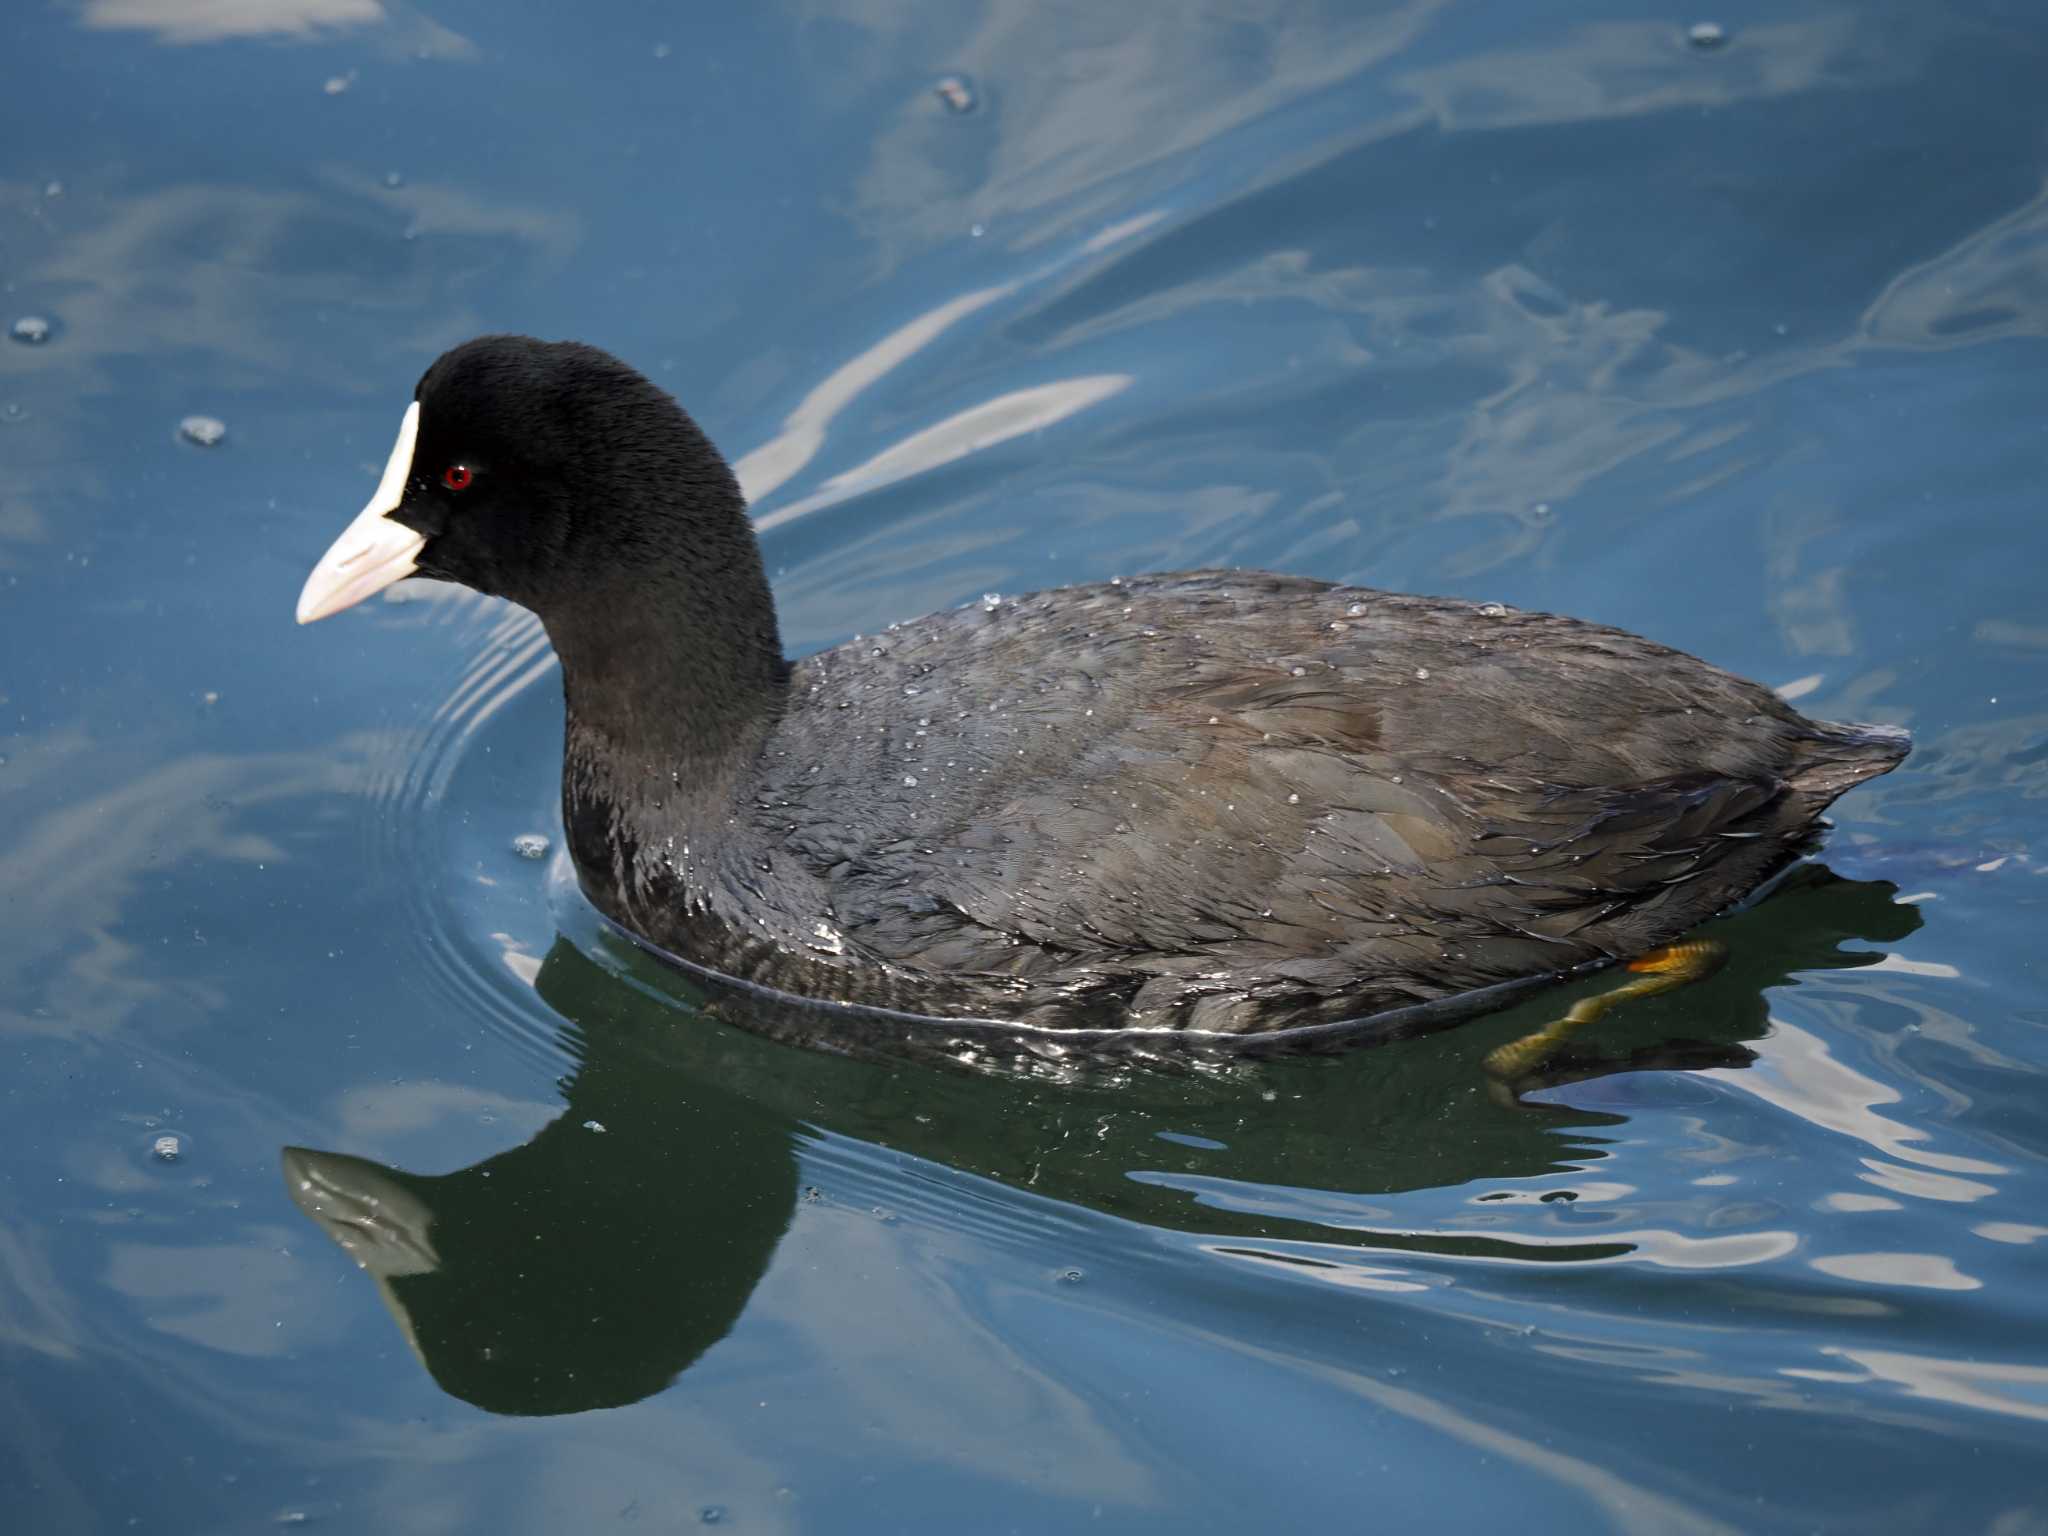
1220	801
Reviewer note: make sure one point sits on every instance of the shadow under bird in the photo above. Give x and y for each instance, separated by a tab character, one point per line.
1224	803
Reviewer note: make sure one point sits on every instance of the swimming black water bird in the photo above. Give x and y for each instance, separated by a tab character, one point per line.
1214	801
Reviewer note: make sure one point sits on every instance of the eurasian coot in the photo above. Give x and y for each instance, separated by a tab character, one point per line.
1219	801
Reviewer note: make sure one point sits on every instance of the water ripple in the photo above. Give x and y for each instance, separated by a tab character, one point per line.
480	972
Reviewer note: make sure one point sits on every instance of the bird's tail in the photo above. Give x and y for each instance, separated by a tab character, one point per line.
1838	757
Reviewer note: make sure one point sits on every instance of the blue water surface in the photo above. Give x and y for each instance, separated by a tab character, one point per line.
1738	341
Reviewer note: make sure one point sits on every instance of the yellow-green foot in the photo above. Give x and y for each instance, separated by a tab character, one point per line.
1661	970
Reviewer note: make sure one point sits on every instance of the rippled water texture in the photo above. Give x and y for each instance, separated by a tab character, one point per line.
1737	339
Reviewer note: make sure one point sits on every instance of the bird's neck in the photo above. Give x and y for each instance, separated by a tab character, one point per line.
672	665
673	675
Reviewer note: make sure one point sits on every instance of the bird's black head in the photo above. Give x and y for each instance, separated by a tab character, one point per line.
549	473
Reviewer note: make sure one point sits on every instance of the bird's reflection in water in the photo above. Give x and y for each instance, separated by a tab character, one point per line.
591	1266
585	1269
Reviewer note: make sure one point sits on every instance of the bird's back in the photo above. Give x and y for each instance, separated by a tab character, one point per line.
1234	801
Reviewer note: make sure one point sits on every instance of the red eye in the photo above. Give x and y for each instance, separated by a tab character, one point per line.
457	477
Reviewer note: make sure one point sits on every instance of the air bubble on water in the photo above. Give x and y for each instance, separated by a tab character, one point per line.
167	1149
956	93
662	50
393	179
30	330
1494	610
1541	509
205	431
530	845
12	411
1706	34
711	1514
1070	1276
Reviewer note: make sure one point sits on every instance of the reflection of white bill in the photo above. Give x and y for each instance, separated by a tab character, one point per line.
379	1223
